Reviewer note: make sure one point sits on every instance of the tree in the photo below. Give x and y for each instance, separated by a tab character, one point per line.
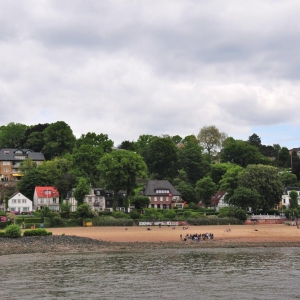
242	153
162	158
187	191
34	137
12	135
254	140
287	178
96	140
127	145
205	189
119	171
245	198
141	201
266	182
27	165
193	163
176	139
210	138
59	140
293	200
284	157
82	189
229	181
218	170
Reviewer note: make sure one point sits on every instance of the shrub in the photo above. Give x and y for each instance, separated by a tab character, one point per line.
13	231
112	222
214	221
2	234
120	215
134	214
37	232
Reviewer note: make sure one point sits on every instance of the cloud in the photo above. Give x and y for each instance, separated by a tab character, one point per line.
127	68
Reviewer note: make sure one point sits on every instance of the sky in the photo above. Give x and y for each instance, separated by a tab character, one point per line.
132	67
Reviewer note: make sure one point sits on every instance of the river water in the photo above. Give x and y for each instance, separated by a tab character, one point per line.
253	273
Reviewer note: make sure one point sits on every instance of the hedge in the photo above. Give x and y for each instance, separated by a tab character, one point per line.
37	232
112	222
4	224
214	221
28	220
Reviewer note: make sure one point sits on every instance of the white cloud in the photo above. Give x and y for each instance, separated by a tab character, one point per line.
127	68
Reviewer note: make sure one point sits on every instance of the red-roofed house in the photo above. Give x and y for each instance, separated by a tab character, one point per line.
46	196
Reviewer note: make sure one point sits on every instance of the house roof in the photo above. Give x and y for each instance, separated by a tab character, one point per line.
41	191
13	154
14	194
214	199
153	185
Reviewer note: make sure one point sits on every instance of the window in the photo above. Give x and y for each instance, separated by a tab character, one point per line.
6	163
54	200
6	152
90	199
162	191
161	198
23	200
42	201
12	209
19	200
5	170
25	208
155	198
18	152
14	201
167	198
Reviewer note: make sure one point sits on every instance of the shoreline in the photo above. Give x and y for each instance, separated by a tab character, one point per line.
107	239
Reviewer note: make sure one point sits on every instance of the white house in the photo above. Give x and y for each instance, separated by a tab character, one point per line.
46	196
19	202
286	195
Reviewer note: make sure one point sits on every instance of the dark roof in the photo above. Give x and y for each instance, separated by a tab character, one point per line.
153	185
290	188
11	154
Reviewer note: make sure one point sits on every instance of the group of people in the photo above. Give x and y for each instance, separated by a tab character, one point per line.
197	237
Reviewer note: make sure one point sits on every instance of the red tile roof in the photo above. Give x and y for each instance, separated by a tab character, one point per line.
41	191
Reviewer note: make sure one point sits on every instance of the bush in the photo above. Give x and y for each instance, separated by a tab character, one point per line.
120	215
214	221
134	214
13	231
37	232
2	234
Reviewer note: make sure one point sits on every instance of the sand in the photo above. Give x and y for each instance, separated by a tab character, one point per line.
237	233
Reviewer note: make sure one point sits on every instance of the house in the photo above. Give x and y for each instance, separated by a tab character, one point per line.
99	199
46	196
20	203
217	201
162	194
285	199
10	161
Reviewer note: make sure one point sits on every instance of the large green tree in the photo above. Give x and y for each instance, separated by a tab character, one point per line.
34	137
96	140
119	171
12	135
205	189
59	140
162	158
293	199
266	182
288	178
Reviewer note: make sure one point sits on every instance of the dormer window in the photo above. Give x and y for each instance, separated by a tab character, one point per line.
6	151
18	152
162	191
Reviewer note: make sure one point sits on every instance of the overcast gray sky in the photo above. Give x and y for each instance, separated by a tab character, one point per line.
126	68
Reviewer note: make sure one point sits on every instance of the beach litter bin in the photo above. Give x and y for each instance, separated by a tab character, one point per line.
42	226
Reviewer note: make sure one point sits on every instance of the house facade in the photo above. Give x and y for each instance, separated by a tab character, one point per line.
19	203
162	194
285	199
10	161
46	196
99	199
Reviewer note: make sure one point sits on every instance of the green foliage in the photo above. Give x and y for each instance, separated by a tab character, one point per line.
265	181
169	214
12	135
65	210
293	199
59	140
120	215
152	214
2	234
141	201
37	232
218	170
13	231
205	189
82	189
83	211
120	170
134	214
288	178
162	158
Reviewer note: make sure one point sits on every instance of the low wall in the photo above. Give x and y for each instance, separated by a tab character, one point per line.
264	221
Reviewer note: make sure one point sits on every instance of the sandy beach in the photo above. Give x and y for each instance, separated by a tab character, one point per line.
237	233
